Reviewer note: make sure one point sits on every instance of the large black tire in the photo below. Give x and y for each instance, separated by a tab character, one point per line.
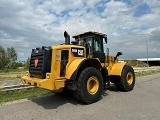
89	86
127	80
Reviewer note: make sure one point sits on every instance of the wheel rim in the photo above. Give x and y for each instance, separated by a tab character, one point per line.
92	85
129	78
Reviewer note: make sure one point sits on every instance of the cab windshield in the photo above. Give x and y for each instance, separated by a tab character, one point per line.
95	43
84	42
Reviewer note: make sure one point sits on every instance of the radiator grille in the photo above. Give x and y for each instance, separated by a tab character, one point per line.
40	62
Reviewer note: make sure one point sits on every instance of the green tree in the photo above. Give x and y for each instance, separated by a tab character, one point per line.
12	57
27	63
3	58
19	64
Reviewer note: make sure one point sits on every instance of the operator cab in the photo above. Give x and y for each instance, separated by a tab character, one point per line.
93	42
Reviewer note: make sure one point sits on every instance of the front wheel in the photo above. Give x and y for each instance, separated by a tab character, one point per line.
127	80
89	86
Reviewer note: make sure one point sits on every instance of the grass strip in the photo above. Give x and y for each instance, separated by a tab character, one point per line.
21	94
145	73
11	76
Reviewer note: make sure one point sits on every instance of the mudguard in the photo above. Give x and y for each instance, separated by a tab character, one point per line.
117	68
73	68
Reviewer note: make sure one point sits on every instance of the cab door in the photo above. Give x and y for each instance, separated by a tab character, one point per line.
98	51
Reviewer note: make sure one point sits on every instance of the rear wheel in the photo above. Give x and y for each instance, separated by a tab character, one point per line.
89	86
127	79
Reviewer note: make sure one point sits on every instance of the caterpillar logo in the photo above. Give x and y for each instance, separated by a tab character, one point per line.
77	52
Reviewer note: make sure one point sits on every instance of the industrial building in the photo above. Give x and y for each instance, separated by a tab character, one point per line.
151	61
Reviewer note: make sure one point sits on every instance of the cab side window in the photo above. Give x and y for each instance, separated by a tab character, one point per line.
97	45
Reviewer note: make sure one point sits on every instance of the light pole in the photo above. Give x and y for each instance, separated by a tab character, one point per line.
145	35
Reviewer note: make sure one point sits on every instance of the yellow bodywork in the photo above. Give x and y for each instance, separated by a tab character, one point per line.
72	67
54	82
114	68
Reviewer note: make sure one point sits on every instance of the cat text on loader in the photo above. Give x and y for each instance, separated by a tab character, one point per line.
80	67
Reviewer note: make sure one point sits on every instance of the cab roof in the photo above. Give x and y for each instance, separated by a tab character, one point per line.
89	33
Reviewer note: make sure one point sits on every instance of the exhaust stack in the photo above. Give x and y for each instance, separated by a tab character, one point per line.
67	38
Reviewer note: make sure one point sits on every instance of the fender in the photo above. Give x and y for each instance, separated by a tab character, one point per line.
74	67
117	68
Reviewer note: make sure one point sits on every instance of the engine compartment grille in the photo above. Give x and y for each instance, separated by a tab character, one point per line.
40	62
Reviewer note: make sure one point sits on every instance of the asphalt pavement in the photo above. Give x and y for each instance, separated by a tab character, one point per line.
140	104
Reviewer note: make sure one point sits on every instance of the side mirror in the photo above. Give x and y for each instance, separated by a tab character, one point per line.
105	39
118	54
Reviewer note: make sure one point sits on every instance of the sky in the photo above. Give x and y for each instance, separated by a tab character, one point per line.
132	26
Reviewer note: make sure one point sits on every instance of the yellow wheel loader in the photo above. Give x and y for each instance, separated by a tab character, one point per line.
81	67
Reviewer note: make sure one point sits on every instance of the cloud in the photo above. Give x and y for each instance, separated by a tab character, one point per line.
28	24
155	36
